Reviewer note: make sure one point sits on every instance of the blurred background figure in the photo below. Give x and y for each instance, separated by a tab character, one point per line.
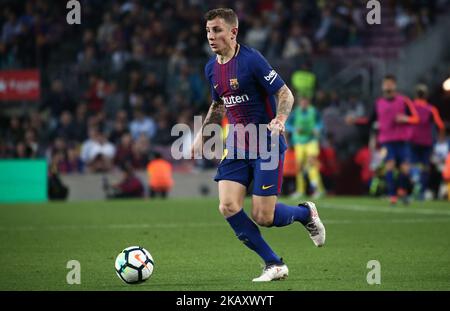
160	179
422	140
129	186
304	125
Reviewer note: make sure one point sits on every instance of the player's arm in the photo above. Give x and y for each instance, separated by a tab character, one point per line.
285	100
411	116
272	83
438	121
214	116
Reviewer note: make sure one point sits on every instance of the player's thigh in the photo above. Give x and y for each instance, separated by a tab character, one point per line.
312	152
268	175
390	159
231	197
404	156
300	154
263	208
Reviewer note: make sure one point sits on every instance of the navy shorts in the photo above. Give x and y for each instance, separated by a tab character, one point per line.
421	154
399	151
266	182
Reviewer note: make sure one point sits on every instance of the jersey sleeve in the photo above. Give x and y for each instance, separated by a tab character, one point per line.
269	79
208	76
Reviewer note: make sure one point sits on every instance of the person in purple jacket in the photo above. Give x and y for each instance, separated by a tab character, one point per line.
395	114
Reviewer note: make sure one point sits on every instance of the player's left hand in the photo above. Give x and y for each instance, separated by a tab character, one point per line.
276	126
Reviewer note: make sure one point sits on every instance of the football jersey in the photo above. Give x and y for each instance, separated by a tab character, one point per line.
246	85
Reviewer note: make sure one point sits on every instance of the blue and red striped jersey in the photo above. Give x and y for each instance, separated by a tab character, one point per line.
246	85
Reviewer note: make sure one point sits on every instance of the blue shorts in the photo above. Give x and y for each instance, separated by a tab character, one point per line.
421	154
399	151
265	182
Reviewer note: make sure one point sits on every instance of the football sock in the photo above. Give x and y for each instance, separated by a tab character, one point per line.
247	231
285	215
390	183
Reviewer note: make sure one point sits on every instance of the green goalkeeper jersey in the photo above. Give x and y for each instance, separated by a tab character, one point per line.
303	124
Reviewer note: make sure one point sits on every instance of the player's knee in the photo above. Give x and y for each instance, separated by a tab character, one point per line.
229	208
262	218
312	161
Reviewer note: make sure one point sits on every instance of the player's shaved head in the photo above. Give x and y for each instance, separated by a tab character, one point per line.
228	15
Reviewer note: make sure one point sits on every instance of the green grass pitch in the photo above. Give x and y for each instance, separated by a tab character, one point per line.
194	249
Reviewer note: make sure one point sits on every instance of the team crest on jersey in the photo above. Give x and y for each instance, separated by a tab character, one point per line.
234	84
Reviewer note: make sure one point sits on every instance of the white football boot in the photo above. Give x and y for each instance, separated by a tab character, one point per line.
273	273
315	226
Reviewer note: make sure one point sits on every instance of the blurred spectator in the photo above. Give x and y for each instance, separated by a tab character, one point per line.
57	101
297	44
130	186
257	34
160	178
96	94
56	189
114	100
303	81
66	128
97	153
142	124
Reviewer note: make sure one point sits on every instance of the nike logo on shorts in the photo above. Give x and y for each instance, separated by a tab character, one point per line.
264	187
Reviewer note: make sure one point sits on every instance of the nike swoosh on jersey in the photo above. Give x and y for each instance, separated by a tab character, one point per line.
215	86
264	187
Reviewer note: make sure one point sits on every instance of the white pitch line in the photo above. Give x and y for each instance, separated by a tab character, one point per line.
204	225
387	209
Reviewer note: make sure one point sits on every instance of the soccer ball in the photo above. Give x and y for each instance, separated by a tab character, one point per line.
134	265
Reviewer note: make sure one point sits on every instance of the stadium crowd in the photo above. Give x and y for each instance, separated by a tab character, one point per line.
106	100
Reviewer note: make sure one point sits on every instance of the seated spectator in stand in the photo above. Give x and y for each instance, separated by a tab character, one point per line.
130	186
160	178
97	153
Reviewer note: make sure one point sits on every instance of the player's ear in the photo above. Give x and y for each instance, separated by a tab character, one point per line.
234	32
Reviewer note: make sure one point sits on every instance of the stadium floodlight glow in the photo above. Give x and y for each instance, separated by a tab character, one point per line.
446	85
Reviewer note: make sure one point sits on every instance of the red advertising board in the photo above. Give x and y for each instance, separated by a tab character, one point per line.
19	85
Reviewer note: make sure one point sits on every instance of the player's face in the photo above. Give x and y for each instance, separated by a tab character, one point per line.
220	35
303	103
389	88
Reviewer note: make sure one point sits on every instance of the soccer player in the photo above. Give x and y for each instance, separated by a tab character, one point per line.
305	125
422	138
394	113
245	86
